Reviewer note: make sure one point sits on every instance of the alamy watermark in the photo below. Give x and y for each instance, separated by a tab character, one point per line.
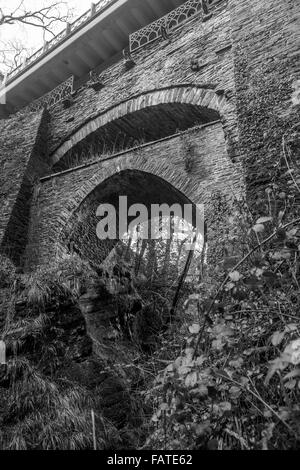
160	221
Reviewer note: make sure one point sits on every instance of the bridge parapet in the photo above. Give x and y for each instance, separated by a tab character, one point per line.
70	29
60	93
173	20
79	60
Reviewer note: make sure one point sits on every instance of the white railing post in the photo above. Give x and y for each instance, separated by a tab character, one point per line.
68	28
2	353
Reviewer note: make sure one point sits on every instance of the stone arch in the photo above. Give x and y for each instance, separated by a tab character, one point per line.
140	187
61	194
179	187
201	97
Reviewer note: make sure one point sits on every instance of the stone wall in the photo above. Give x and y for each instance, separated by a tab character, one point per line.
62	195
265	36
158	66
247	66
23	157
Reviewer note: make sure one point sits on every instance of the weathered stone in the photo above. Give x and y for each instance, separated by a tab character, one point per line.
249	50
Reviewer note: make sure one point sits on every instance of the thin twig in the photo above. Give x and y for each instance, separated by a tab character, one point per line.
265	310
183	277
241	440
94	430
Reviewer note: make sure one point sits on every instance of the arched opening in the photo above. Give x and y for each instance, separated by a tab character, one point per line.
139	188
147	269
145	118
163	168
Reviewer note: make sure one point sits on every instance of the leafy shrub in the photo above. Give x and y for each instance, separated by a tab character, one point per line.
236	381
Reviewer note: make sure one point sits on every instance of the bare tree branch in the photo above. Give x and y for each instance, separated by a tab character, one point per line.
44	17
13	53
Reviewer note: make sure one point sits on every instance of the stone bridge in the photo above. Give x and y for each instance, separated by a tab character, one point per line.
178	120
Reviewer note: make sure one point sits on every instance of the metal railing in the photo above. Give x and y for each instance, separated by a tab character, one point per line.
137	40
70	29
172	20
169	22
58	94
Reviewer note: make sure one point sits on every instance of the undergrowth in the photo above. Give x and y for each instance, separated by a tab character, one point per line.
230	376
224	375
40	407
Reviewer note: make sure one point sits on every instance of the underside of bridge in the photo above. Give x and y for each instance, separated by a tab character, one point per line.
145	125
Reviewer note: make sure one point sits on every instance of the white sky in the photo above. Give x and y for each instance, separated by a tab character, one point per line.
30	36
